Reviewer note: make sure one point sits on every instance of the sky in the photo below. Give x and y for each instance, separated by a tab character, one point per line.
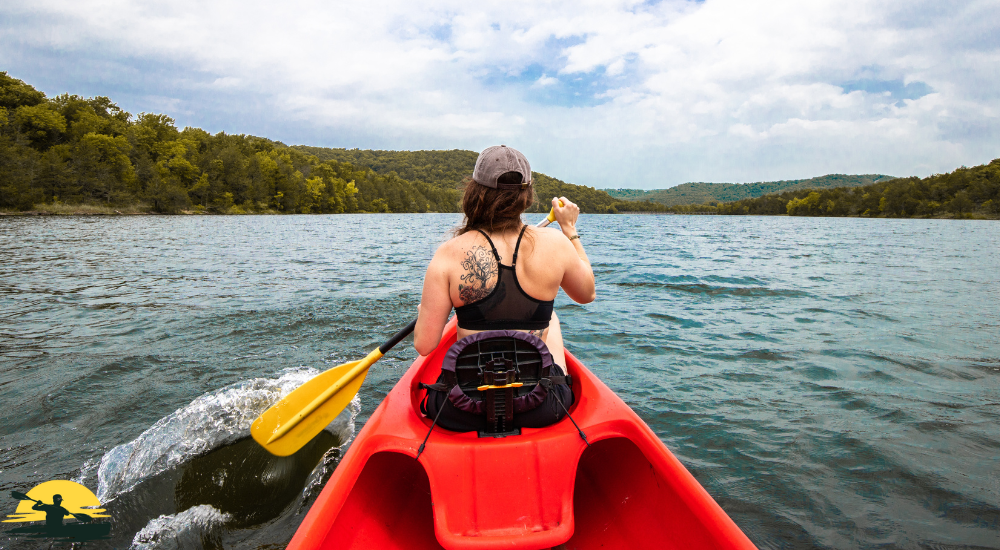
615	94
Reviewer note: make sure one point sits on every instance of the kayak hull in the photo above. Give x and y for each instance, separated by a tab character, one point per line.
541	489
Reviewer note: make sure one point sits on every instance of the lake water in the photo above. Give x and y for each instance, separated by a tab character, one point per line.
833	383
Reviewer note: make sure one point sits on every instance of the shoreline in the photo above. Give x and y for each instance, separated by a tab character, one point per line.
116	213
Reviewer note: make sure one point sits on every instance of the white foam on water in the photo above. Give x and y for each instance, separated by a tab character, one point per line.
188	529
211	421
85	470
317	478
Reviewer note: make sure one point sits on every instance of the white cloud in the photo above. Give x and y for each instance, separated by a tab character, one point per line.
615	68
545	80
647	95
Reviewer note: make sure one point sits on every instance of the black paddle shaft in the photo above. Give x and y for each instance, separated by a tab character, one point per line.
391	342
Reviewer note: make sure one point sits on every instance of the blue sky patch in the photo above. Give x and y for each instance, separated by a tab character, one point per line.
562	90
541	83
441	33
556	45
896	88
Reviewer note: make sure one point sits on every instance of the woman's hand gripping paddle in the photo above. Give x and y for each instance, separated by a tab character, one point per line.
292	422
21	496
550	218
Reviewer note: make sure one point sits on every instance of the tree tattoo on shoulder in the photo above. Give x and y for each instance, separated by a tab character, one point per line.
480	267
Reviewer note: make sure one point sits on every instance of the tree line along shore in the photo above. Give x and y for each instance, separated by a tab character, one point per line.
704	193
75	155
969	193
70	154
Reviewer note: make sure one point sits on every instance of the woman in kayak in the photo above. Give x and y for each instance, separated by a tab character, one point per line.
499	273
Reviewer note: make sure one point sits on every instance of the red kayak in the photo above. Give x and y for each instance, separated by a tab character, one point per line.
541	489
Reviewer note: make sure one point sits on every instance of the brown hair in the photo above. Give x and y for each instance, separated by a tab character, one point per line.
495	210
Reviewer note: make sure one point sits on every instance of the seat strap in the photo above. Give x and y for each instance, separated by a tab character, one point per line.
499	408
437	386
568	380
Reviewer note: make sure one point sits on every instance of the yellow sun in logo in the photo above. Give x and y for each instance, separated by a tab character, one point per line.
76	499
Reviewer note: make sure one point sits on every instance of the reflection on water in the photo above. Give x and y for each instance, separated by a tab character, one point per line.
247	483
237	486
832	382
195	475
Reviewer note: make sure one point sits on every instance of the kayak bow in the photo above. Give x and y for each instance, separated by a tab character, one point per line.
540	489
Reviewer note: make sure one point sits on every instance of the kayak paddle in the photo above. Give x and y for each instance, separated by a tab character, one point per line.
301	415
21	496
550	218
292	422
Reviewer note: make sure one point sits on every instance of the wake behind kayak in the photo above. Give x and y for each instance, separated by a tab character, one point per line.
195	478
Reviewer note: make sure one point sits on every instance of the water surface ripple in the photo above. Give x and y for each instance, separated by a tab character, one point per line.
834	383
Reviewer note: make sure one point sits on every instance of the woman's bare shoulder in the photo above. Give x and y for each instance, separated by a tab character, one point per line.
549	237
456	245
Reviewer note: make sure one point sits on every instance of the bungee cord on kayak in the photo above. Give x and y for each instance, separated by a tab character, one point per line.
579	430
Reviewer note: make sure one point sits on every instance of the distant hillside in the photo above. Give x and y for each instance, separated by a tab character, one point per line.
702	193
970	193
70	154
444	170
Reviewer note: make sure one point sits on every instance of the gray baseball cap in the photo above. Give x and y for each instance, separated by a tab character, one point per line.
496	161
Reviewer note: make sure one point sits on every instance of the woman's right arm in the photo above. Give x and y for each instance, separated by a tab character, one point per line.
434	307
578	277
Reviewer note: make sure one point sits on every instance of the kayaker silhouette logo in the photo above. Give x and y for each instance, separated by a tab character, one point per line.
53	502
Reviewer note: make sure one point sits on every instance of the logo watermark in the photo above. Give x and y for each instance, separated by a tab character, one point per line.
59	509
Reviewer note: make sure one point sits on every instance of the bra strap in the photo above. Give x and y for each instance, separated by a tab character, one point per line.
495	253
517	246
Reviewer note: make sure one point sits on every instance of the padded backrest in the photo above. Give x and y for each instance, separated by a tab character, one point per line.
524	358
471	355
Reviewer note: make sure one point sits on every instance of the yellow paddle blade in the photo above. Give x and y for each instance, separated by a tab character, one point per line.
313	394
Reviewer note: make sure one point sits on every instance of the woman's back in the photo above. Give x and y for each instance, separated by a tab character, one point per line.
473	269
468	268
497	273
464	275
493	296
501	276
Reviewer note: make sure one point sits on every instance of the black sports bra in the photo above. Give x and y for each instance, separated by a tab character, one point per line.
508	306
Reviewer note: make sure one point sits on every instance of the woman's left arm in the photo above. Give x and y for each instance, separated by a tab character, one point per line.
435	306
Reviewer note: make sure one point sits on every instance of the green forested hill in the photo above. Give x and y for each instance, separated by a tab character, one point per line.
439	168
589	200
445	170
701	193
70	151
63	153
964	193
